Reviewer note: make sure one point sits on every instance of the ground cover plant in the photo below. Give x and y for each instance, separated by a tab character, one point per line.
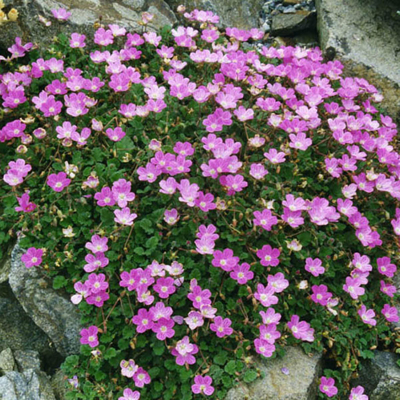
205	200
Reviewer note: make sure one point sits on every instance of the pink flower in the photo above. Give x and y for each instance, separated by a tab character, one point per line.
89	336
269	333
122	192
269	256
98	299
99	260
390	313
388	289
300	141
352	287
96	283
221	326
264	348
194	320
320	294
301	329
148	173
225	260
115	134
171	217
129	394
234	183
61	14
328	387
164	328
32	257
357	393
199	297
385	267
184	351
265	219
128	368
265	295
124	216
164	287
361	262
270	316
274	157
141	377
105	197
278	282
24	204
258	171
58	182
203	385
77	40
97	244
313	266
367	316
241	273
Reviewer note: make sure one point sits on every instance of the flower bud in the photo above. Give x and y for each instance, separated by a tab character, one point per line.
13	14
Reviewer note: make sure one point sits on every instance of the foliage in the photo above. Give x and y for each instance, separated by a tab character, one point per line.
162	170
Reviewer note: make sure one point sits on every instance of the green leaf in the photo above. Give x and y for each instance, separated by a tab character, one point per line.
158	348
230	368
250	375
220	358
110	353
59	282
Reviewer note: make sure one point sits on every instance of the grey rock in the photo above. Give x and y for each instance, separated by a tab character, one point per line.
365	35
54	314
300	384
84	13
17	330
7	362
29	385
5	265
58	385
288	24
241	14
27	359
380	377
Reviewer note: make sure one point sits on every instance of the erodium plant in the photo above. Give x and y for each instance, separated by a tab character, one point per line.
204	200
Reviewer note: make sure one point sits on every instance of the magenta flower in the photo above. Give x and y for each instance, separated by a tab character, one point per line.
221	326
199	297
124	216
320	294
278	282
225	260
385	267
129	394
97	244
96	283
105	197
265	219
357	393
141	377
203	385
159	311
58	182
165	287
98	299
148	173
352	287
115	134
264	348
184	352
328	387
269	256
361	262
274	156
61	14
122	192
234	183
388	289
265	295
367	316
32	257
300	141
89	336
24	204
301	329
390	313
241	273
164	328
269	333
77	40
270	316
